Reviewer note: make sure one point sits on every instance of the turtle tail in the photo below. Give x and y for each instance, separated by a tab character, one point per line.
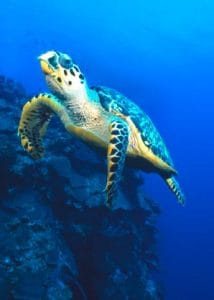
175	188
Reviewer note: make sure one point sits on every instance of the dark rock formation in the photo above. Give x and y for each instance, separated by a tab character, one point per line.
58	241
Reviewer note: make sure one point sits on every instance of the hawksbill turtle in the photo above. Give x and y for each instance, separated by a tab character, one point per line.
97	115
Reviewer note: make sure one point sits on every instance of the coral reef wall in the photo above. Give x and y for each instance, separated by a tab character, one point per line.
58	241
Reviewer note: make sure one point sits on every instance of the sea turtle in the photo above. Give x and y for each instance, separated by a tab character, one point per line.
100	116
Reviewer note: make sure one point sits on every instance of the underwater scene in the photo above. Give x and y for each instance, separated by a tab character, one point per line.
106	150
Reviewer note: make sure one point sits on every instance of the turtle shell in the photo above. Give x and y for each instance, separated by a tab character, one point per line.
112	100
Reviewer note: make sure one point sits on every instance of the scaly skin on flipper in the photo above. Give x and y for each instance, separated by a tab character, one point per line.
175	188
116	157
89	113
36	115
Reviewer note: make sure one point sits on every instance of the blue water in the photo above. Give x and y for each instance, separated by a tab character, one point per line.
159	53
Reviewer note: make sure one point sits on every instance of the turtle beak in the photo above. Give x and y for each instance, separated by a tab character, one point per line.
46	68
45	59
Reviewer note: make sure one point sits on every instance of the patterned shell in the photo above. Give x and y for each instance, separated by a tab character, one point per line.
111	100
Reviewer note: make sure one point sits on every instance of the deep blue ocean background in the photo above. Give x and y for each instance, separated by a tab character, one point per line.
159	53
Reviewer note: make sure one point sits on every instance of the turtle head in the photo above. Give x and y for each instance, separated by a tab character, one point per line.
63	77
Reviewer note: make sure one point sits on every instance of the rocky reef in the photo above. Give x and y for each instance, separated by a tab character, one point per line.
58	241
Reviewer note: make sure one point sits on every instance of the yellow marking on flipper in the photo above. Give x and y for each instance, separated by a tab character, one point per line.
175	188
109	183
34	121
141	149
116	157
31	129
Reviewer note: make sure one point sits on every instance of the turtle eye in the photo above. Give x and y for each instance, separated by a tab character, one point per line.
65	61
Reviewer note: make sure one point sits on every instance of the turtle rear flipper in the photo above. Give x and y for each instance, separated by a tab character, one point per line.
175	188
36	115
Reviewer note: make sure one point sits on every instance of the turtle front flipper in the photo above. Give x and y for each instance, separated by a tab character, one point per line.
116	156
35	117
